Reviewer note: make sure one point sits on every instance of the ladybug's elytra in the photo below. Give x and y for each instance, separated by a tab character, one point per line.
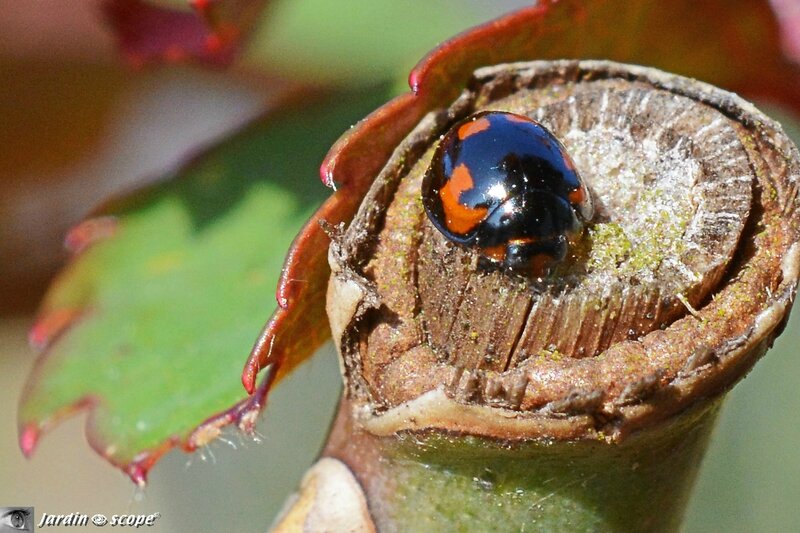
503	184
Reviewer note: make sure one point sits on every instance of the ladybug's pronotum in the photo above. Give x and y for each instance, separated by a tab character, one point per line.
503	184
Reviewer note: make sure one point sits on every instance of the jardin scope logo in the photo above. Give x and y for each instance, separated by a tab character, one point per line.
99	520
15	519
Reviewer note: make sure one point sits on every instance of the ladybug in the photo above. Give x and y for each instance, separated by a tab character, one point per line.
502	184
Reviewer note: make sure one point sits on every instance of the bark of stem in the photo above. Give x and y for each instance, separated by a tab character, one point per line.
440	482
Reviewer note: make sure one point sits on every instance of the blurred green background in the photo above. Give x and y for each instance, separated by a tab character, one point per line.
77	126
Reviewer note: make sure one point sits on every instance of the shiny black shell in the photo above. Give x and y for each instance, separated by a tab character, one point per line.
503	184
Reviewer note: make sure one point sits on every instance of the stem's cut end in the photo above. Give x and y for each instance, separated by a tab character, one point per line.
682	280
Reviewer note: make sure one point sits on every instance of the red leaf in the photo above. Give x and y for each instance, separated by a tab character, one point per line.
285	340
736	45
211	33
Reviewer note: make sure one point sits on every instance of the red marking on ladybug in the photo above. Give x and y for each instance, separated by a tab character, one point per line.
576	196
502	184
512	117
498	253
460	218
472	127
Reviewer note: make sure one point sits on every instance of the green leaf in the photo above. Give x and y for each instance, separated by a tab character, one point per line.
150	324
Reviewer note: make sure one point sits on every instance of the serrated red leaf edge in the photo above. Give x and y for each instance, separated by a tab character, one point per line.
242	415
299	325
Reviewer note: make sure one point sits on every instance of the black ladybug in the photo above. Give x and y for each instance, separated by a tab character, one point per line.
503	184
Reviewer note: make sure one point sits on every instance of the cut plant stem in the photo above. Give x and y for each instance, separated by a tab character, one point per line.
476	399
436	481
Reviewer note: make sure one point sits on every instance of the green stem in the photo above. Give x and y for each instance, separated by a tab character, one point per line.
438	482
